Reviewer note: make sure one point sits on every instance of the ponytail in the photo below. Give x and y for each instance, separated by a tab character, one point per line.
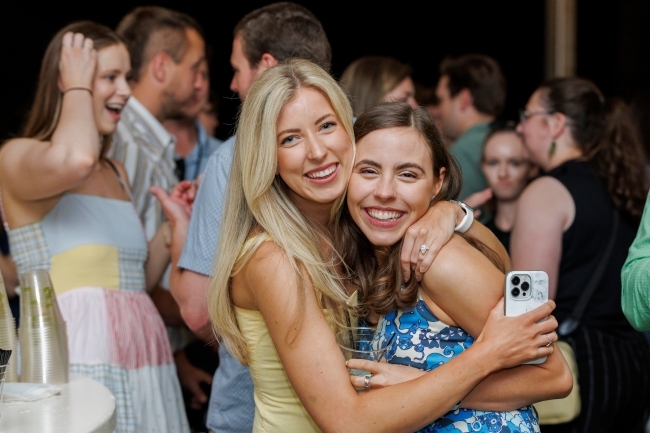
608	136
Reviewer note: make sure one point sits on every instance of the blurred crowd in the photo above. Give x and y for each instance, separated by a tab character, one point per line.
118	187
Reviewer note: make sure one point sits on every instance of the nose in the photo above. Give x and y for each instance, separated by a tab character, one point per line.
233	85
503	170
123	89
317	149
385	189
412	102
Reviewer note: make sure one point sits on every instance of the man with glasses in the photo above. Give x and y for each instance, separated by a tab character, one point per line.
472	94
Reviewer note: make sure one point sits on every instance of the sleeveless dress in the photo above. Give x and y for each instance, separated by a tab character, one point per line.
277	406
95	249
421	340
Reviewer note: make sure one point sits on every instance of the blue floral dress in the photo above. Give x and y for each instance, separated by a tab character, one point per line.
423	341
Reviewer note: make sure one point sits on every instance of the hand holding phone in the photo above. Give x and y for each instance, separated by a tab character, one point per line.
525	291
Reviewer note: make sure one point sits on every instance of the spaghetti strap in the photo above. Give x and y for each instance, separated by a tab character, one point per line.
119	178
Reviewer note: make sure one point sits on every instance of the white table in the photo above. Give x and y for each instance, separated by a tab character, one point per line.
84	406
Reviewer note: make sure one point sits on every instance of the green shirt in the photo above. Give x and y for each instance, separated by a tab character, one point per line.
468	150
636	276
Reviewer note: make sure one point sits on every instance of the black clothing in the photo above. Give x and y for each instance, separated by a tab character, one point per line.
613	359
503	237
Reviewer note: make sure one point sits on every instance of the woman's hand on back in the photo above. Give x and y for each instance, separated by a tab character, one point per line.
78	62
432	231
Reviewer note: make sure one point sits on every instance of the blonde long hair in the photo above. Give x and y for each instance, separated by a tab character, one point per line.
257	198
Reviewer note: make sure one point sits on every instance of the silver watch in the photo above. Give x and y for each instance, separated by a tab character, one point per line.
468	219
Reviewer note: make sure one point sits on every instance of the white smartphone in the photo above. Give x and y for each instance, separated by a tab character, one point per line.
525	291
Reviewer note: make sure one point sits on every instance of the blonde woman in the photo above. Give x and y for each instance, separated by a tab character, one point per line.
276	299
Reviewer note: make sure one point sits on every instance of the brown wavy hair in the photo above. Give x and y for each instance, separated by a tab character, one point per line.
46	109
608	136
376	271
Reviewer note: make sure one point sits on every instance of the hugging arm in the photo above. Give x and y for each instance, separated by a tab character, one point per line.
433	230
316	368
464	284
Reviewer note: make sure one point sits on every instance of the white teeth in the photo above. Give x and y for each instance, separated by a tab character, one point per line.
116	107
384	215
322	173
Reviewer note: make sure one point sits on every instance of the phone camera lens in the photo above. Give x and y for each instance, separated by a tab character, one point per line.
515	291
525	285
515	280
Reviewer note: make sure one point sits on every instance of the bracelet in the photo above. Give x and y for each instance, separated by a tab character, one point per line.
468	219
78	88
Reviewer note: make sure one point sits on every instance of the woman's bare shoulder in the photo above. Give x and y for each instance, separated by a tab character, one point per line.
456	260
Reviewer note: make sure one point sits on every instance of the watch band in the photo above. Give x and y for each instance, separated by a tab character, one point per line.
468	219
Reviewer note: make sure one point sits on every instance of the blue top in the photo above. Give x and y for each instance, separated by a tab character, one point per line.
197	159
231	408
424	342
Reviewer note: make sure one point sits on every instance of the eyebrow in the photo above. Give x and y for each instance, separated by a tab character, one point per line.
375	164
410	165
319	120
369	162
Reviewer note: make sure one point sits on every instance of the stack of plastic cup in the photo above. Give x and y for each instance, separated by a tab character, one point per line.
7	333
43	335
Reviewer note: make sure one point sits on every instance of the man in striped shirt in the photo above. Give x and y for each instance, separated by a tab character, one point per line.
167	50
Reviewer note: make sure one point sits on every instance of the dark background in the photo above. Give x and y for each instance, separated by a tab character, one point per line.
613	43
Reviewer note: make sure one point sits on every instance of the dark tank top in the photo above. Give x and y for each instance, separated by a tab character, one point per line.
584	243
503	237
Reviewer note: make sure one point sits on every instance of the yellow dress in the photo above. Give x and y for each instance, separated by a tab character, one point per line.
277	407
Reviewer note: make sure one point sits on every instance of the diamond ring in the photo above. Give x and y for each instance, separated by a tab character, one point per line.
424	249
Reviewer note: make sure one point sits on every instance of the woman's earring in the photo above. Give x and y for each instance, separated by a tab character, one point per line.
551	151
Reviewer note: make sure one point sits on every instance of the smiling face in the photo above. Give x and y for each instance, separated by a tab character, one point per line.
315	152
110	88
506	165
392	183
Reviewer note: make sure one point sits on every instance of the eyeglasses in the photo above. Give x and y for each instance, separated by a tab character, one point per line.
525	115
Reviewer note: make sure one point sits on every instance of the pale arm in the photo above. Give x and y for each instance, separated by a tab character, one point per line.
188	288
545	211
465	285
316	369
33	170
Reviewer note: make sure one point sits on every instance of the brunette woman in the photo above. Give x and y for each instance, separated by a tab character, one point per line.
68	210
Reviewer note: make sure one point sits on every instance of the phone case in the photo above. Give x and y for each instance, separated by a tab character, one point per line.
520	298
